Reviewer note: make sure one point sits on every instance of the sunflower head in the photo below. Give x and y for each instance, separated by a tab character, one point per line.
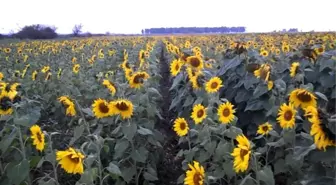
181	127
241	154
213	85
199	113
264	53
38	137
286	116
226	113
195	175
75	68
195	62
137	79
302	98
263	72
101	108
175	67
294	68
71	161
197	81
264	129
123	107
5	103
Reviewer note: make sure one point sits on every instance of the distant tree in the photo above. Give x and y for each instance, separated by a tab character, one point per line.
77	30
36	31
2	36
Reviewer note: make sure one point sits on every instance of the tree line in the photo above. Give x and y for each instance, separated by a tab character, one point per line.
191	30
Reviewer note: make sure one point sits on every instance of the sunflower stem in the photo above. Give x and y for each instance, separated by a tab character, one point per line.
23	152
53	164
256	169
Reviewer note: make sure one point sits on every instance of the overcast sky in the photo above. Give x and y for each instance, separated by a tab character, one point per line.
130	16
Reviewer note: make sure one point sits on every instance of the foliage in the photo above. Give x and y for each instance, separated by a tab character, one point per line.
36	32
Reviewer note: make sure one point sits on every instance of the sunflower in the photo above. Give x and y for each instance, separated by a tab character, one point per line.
263	72
70	106
213	85
7	50
45	69
123	107
197	81
294	68
1	76
101	108
5	103
48	76
264	129
323	137
286	116
302	98
311	113
175	67
270	85
110	86
75	68
195	175
320	50
196	62
241	154
137	79
34	75
192	72
264	53
226	112
181	127
74	60
71	160
38	137
199	113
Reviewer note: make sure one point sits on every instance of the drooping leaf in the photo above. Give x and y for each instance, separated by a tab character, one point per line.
322	96
78	132
266	175
120	148
114	169
18	172
129	130
144	131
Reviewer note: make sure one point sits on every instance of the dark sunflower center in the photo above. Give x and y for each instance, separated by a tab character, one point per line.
122	106
304	97
265	128
177	67
320	49
73	159
197	178
200	113
183	126
103	108
263	73
288	115
138	79
195	62
39	137
5	103
243	153
226	112
214	85
48	76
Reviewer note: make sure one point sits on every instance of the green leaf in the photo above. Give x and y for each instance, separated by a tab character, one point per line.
78	132
176	81
88	176
34	160
322	96
150	177
232	132
140	155
327	64
279	143
247	177
236	61
129	130
253	105
128	173
222	149
321	181
120	148
7	141
181	178
301	152
189	101
322	156
144	131
154	91
260	90
279	166
114	169
19	172
28	119
266	175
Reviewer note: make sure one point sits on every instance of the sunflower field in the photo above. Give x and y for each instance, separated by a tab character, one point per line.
238	109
